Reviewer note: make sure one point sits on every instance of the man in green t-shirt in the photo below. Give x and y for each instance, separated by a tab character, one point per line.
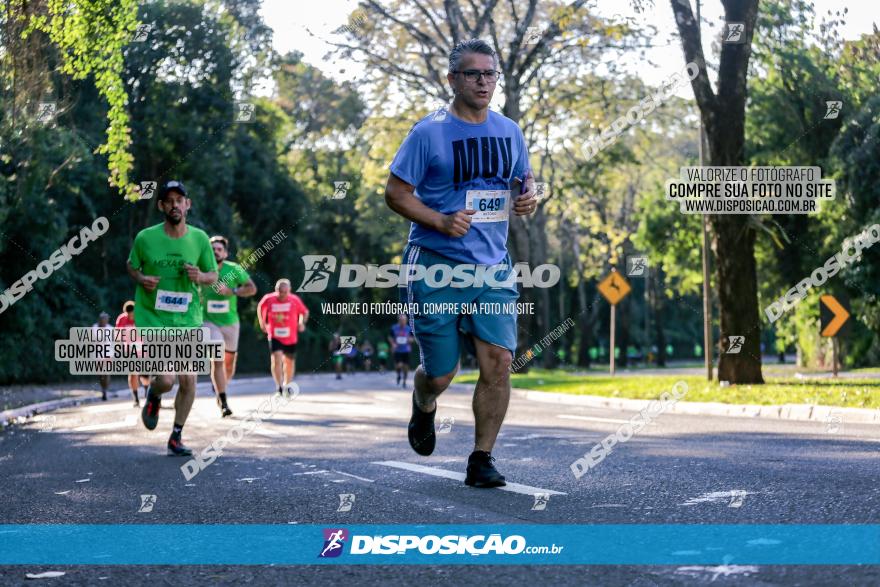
168	262
220	312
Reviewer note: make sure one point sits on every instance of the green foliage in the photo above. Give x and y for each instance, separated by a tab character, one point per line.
90	36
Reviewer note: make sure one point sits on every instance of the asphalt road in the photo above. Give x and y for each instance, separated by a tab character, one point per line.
91	464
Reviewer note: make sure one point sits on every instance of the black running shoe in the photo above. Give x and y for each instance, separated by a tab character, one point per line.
150	413
481	471
225	411
103	396
177	449
421	429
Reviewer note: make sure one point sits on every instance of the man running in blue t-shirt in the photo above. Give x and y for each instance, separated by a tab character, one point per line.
453	178
401	338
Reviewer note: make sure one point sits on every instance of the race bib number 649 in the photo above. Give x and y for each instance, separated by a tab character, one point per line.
491	205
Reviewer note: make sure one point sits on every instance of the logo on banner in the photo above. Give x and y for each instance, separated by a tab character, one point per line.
318	271
334	540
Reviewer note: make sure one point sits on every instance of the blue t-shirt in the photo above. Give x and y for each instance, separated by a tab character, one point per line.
400	335
453	163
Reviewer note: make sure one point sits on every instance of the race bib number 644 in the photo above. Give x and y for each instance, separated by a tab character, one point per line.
173	301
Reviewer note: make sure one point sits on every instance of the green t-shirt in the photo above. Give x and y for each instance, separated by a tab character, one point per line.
175	301
382	350
219	309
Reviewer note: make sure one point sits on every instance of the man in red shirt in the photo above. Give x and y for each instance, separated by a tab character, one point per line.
126	320
282	316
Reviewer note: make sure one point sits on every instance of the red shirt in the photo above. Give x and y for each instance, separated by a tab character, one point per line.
123	321
282	317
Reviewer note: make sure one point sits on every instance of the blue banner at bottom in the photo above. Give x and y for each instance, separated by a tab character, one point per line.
622	544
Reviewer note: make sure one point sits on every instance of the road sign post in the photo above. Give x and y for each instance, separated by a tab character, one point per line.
613	313
614	287
833	315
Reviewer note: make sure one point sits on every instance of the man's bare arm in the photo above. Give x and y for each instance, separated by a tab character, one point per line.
246	290
148	281
400	197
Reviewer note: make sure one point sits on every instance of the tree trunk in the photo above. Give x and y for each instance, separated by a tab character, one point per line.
655	288
585	316
723	116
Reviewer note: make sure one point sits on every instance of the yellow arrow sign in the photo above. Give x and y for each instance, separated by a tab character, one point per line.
614	287
840	315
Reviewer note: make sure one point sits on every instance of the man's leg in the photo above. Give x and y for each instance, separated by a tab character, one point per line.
133	386
421	434
277	368
183	401
104	380
491	394
289	368
159	384
218	377
229	362
428	389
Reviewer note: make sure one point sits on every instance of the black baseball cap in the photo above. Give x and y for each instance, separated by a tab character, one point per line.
172	186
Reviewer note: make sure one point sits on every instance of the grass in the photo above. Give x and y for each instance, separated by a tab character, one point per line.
853	393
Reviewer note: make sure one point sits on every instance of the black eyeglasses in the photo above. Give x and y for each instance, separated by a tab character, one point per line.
472	75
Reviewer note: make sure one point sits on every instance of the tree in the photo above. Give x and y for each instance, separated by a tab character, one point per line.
723	116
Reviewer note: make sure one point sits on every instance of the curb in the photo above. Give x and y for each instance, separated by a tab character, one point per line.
20	414
798	412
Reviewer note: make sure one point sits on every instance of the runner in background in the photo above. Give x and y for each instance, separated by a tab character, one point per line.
351	359
102	324
221	315
282	316
126	320
337	358
382	350
401	340
367	355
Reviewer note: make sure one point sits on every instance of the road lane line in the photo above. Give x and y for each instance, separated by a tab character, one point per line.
129	421
512	487
592	419
355	476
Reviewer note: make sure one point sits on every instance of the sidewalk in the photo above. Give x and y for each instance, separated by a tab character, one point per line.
19	402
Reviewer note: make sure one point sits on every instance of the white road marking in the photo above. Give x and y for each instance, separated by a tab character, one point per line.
734	496
355	476
455	406
592	419
130	420
512	487
114	407
718	571
313	472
